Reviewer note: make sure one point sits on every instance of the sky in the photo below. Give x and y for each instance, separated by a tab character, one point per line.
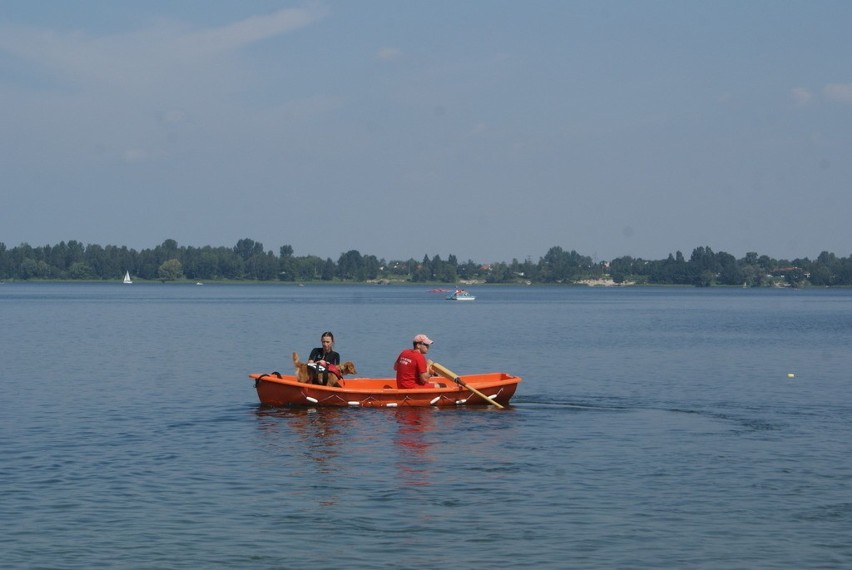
489	130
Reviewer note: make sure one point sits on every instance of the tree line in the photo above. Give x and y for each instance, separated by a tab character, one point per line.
249	261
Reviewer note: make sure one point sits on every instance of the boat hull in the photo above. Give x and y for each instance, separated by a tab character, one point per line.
273	390
460	295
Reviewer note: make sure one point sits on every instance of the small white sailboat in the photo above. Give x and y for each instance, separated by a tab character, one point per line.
127	279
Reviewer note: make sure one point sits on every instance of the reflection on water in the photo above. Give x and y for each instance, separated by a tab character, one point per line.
412	444
321	446
325	438
310	443
319	431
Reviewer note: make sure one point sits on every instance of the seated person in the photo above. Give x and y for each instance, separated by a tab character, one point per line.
321	357
412	370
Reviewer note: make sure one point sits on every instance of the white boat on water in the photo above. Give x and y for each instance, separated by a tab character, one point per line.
460	295
127	279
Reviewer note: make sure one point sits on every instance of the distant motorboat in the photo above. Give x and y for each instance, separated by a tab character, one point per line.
127	279
460	295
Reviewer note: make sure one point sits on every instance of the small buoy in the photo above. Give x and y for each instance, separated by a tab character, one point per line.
391	404
434	400
311	400
790	375
354	403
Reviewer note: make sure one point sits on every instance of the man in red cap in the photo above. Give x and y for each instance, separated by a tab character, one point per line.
412	370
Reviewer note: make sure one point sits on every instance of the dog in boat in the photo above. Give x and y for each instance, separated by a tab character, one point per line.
303	371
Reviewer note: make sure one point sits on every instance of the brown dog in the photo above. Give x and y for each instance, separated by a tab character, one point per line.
303	372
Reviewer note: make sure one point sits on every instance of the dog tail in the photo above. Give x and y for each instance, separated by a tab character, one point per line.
295	358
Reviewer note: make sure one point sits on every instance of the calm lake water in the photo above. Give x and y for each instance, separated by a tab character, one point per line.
655	428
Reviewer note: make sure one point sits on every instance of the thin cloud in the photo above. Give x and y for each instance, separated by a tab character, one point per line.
147	53
838	92
389	54
174	117
144	94
801	96
478	129
248	31
133	155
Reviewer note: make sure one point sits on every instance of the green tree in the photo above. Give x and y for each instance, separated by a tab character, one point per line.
167	250
499	273
843	272
820	274
32	269
5	262
262	267
328	270
350	265
170	270
730	272
559	266
422	272
79	270
703	267
449	270
246	248
370	266
621	268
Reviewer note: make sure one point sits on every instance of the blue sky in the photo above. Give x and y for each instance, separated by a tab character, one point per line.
488	130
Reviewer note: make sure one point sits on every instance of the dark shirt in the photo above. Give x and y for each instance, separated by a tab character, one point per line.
330	357
316	355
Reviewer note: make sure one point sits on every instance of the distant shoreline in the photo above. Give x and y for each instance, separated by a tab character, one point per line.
249	262
586	283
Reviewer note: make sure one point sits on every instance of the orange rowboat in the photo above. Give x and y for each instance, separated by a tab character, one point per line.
495	388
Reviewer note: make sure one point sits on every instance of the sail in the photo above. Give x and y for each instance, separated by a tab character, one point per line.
127	277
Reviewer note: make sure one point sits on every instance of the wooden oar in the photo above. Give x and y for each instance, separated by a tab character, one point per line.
450	375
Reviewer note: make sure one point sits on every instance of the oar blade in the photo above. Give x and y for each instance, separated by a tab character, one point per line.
450	375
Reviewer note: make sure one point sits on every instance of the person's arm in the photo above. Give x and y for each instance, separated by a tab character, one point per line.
424	378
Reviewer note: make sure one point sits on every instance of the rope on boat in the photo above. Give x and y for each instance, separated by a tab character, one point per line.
262	376
371	401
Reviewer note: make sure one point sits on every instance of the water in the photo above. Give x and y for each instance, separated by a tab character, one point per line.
655	428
